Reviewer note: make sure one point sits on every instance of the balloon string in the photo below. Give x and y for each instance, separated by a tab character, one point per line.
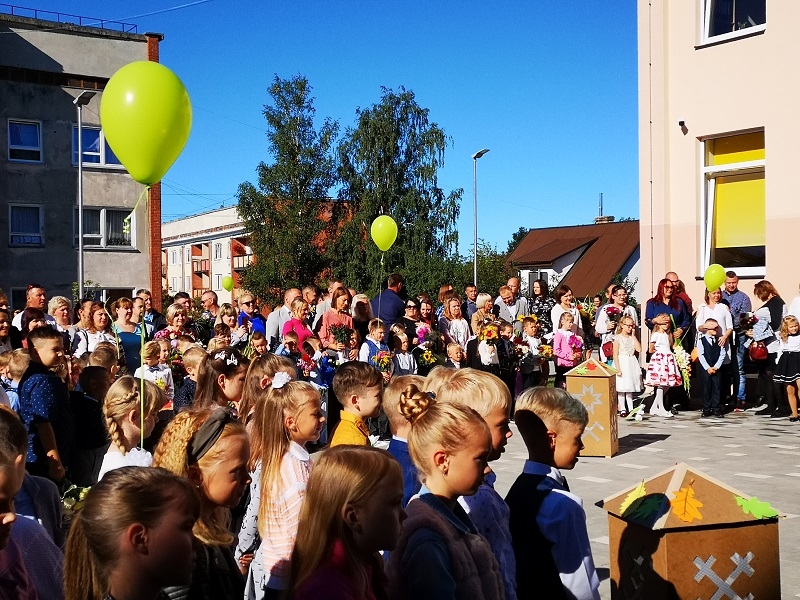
141	337
126	222
380	287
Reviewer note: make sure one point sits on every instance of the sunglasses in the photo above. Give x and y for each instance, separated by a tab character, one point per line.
250	303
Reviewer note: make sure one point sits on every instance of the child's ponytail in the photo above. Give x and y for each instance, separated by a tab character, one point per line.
82	577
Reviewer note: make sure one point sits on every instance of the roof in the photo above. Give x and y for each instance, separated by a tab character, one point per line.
607	247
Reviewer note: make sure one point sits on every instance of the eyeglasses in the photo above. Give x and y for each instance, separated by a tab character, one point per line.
410	306
668	287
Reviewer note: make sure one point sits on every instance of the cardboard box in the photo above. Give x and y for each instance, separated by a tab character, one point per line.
682	534
595	384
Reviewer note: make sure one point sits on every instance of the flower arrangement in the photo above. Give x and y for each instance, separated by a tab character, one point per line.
490	334
684	362
383	361
546	351
576	343
521	347
306	364
72	501
175	359
427	359
341	334
613	313
587	308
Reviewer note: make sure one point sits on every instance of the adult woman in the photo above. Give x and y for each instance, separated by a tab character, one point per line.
769	316
484	303
60	308
81	317
607	318
721	313
128	332
453	327
426	312
228	315
297	323
336	315
541	306
563	296
445	293
176	316
99	330
411	321
666	304
5	330
362	314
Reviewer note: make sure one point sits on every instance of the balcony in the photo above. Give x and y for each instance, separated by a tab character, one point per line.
200	266
242	262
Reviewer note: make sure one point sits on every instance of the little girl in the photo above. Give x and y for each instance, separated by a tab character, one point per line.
450	445
353	509
404	361
210	448
291	419
566	347
220	379
122	547
257	380
156	371
662	371
788	369
629	374
126	424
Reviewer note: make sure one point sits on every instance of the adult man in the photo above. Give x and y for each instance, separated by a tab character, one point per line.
310	296
513	284
35	297
184	300
278	318
210	307
388	306
469	307
322	307
739	303
151	315
509	308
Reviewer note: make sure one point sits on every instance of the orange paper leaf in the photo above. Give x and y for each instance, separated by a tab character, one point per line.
685	506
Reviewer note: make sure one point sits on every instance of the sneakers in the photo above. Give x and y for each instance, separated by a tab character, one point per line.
758	408
764	412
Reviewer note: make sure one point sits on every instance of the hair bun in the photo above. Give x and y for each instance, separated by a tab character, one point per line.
414	403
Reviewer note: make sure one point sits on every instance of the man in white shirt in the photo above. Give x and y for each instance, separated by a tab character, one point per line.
35	297
278	318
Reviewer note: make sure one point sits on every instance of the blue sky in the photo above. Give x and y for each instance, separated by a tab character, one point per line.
550	87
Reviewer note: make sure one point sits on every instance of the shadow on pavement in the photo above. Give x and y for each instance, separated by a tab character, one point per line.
633	441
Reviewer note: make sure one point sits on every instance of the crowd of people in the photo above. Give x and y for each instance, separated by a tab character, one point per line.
156	456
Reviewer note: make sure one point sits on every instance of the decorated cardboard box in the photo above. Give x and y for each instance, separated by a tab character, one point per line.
595	384
682	534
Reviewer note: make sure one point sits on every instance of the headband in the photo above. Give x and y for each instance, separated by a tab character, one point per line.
208	434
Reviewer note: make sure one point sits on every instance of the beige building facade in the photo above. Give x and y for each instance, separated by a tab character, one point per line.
718	131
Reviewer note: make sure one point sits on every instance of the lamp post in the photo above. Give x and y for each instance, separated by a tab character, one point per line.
475	158
81	101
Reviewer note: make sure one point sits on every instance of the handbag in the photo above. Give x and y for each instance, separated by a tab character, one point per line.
758	351
608	349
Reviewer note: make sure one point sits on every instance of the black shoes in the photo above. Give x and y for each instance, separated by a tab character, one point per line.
764	412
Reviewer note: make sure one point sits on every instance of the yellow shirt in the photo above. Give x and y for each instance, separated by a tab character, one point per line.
351	431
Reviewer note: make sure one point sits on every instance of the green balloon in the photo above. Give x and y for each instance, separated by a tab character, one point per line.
384	232
146	116
227	283
714	277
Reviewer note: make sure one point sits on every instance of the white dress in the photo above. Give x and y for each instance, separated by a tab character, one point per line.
631	380
135	457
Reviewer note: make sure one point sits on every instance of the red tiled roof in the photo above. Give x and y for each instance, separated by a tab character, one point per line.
608	248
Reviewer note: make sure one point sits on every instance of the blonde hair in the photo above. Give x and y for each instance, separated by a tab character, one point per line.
214	344
151	350
114	504
552	405
787	320
280	403
172	453
565	315
193	357
18	361
173	310
122	398
391	397
621	320
433	423
343	476
479	390
438	376
398	339
104	355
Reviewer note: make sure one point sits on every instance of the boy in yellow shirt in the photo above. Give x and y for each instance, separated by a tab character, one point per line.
359	388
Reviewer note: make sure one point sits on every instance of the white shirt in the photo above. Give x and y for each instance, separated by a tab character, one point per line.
555	317
161	375
17	320
135	457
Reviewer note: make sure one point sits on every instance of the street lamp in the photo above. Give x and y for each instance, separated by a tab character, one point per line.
475	158
81	101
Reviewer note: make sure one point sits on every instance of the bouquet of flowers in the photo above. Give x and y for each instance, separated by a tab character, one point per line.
521	347
341	334
423	334
490	334
383	361
306	364
546	351
613	313
427	359
684	362
72	501
576	343
175	359
587	308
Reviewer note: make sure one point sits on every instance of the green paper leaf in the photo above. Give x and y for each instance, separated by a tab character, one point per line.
580	371
633	500
756	507
646	507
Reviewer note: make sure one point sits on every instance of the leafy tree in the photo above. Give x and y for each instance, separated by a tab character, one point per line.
516	238
288	214
388	165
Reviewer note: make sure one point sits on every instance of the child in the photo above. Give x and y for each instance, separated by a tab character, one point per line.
710	356
184	397
291	419
215	345
487	395
105	355
18	361
220	379
548	523
183	343
455	356
403	361
126	424
44	406
91	437
629	375
788	369
450	444
400	428
566	348
531	364
358	387
210	448
258	380
222	333
373	344
258	342
289	346
155	369
662	371
487	348
352	511
122	547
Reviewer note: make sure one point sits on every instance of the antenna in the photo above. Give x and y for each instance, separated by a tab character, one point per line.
601	204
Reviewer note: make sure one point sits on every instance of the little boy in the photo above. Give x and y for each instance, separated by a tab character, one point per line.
91	437
507	357
18	361
222	333
155	369
44	406
184	397
548	523
455	356
104	355
401	427
710	356
358	387
259	343
530	365
373	343
289	346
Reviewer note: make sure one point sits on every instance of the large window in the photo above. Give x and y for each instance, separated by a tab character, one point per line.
26	225
24	141
95	149
723	19
106	228
218	251
735	204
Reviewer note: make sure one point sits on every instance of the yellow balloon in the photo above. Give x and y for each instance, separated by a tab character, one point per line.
227	283
714	277
384	232
146	116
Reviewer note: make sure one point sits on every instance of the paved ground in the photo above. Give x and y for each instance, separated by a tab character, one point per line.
756	455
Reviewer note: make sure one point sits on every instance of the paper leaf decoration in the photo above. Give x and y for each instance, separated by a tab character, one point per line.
685	506
591	366
633	500
580	371
756	507
647	507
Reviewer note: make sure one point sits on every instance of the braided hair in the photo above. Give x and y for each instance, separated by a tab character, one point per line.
121	399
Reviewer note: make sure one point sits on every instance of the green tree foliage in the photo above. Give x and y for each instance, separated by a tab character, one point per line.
388	165
516	238
287	215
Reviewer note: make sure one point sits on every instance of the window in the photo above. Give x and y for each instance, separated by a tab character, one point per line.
174	257
188	280
173	287
724	19
26	225
188	255
217	251
106	228
95	149
735	206
24	141
217	282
